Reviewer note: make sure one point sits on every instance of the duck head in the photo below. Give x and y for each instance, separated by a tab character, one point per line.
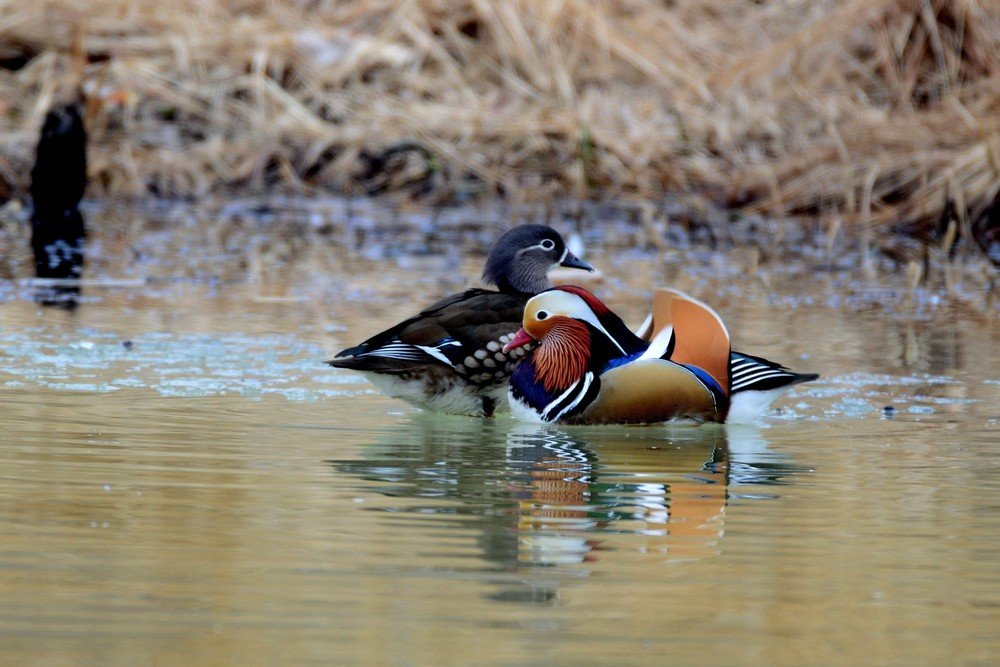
575	332
522	257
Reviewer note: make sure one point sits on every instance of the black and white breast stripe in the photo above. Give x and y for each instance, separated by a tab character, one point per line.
757	374
579	395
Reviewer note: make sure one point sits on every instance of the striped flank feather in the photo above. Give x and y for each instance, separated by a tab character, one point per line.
751	373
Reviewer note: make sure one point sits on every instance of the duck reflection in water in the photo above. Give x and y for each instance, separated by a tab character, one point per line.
544	501
664	488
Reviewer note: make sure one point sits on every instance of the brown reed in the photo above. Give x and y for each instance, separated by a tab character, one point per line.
863	111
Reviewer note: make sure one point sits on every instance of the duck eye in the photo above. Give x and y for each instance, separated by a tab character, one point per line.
548	244
541	315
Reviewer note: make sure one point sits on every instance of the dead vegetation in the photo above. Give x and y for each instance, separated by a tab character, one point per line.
865	112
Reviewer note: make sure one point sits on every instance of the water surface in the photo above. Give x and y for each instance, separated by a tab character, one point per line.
183	480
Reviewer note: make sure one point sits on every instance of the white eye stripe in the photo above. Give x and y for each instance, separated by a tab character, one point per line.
541	246
569	305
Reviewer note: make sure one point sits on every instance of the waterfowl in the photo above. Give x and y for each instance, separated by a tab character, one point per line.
588	367
448	357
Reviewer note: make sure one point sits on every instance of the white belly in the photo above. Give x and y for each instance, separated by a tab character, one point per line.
453	398
522	411
747	407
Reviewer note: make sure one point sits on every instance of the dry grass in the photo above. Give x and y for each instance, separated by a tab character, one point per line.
865	111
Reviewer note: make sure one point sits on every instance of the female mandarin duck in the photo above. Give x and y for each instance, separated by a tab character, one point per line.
589	368
448	357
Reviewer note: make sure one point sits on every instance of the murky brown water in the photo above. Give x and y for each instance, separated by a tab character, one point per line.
211	493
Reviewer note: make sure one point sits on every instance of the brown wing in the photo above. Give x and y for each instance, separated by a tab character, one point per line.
444	334
475	320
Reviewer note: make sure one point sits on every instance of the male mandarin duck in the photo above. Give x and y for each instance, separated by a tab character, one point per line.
587	367
448	358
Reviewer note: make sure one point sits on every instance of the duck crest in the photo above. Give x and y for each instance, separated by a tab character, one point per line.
562	357
613	327
592	301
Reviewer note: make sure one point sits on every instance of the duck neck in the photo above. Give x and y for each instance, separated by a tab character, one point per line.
514	273
563	355
526	280
568	351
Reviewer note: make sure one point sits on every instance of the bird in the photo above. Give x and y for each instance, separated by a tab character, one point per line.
448	357
584	365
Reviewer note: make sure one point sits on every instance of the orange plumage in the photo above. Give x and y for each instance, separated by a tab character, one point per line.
561	358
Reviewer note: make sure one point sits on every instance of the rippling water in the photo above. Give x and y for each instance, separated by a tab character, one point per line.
184	481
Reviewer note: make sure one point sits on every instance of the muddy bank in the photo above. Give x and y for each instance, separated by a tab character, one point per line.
283	244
